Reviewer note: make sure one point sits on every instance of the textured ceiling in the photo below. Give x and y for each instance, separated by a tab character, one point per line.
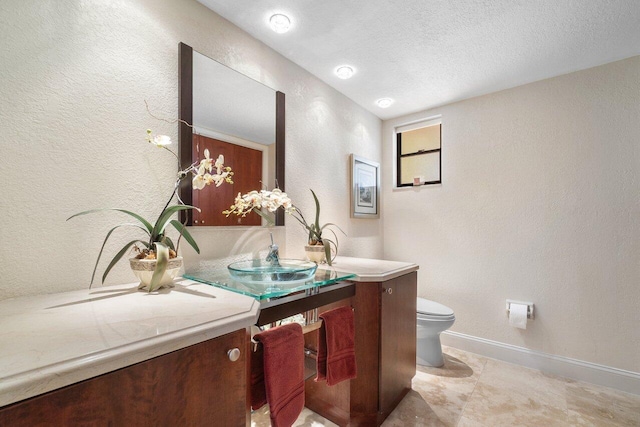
425	53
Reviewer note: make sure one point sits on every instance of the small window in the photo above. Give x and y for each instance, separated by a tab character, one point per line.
418	154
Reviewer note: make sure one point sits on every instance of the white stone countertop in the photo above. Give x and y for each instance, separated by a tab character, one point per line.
371	270
51	341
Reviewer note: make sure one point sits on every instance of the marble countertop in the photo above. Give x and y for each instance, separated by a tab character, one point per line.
371	270
51	341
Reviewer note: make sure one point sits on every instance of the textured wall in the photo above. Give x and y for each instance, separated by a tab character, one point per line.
73	79
540	201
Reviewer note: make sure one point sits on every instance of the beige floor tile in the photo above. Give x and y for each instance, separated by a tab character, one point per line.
446	401
307	418
577	419
466	422
521	380
447	389
590	404
414	411
494	406
511	395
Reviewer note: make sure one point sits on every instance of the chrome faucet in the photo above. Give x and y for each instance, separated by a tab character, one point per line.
273	257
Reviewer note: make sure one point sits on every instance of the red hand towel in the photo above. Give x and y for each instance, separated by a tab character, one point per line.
336	346
258	393
283	372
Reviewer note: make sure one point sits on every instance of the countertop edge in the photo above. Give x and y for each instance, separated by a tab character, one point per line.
352	265
383	277
41	380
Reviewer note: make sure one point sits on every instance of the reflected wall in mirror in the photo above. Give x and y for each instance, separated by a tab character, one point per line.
238	117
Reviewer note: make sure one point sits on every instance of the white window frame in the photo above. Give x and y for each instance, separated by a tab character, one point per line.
408	126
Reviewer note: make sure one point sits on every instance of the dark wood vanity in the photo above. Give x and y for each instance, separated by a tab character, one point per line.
385	355
385	323
207	383
195	386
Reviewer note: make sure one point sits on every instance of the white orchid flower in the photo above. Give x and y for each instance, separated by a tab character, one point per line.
199	182
219	163
206	163
161	140
158	140
217	179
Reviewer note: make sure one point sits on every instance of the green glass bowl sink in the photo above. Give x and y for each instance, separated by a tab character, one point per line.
261	272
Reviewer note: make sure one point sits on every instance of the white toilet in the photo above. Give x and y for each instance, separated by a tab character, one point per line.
433	318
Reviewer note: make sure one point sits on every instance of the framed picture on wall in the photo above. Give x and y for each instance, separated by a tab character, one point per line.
365	188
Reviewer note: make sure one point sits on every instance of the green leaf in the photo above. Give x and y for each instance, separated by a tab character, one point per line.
144	222
162	260
166	240
185	233
119	255
160	225
327	251
330	224
105	242
317	223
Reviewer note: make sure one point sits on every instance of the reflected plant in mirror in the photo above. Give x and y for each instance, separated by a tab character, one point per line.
319	248
227	112
157	262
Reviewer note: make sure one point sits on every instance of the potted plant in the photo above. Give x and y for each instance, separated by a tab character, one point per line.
157	262
318	248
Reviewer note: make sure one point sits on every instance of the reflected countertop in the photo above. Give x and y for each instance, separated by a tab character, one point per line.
50	341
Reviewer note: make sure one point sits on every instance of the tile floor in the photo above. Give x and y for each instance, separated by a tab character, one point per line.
475	391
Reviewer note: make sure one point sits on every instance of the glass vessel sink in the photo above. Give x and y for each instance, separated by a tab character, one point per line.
215	274
260	272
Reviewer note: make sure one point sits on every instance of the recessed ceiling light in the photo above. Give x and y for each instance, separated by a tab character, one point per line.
344	71
280	23
384	102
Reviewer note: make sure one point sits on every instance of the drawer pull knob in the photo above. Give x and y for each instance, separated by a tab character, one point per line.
388	290
234	354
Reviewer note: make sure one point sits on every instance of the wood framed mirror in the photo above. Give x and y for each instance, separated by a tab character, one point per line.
238	117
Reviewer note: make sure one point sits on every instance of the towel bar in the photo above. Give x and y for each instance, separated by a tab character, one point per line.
305	329
280	308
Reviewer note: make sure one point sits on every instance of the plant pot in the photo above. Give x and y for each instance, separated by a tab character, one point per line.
144	268
315	253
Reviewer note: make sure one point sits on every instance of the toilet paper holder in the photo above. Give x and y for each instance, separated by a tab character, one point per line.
530	313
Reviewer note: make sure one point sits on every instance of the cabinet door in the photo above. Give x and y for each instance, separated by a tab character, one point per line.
397	339
194	386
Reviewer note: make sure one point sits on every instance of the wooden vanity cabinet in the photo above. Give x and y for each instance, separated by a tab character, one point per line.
397	341
385	323
196	386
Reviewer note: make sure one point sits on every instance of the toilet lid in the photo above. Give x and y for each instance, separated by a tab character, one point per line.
433	308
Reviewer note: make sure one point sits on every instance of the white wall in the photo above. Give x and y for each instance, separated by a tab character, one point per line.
540	201
73	79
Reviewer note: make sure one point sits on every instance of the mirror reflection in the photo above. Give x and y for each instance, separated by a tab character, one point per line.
235	116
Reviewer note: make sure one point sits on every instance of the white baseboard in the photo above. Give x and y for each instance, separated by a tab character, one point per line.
619	379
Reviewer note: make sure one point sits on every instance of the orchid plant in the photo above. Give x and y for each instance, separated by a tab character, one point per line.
156	244
256	201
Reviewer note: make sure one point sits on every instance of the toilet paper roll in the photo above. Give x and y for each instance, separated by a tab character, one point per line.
518	315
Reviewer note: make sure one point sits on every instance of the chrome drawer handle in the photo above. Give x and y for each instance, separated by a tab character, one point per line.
234	354
388	291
